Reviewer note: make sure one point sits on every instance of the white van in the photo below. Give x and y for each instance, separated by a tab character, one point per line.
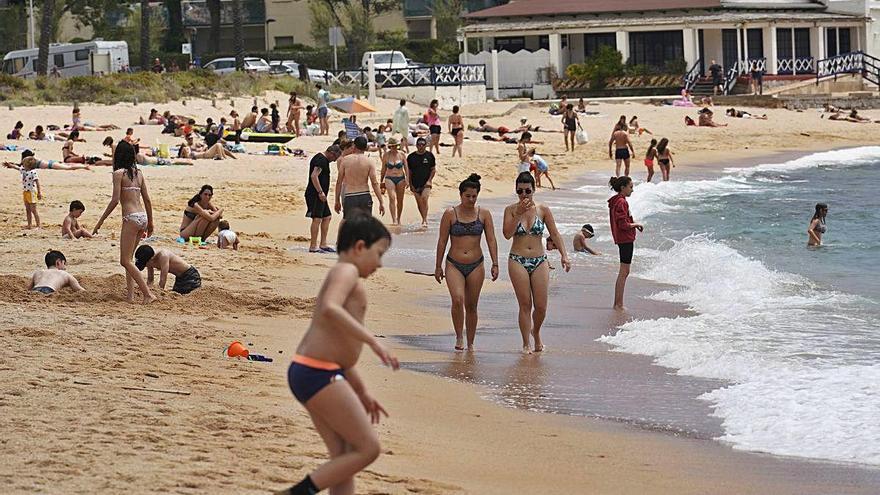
388	59
70	59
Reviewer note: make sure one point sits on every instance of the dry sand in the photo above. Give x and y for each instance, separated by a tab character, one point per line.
239	430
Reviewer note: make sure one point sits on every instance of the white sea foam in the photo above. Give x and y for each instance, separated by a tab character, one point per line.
802	362
851	157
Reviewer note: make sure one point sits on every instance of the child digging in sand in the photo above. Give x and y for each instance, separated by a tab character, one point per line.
226	237
54	277
70	228
186	277
323	377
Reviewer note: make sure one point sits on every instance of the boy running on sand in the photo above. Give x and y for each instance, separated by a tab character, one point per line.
70	227
54	277
186	277
323	377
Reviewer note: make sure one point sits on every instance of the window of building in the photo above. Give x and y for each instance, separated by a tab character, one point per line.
58	59
831	37
544	42
801	42
655	48
512	44
81	54
283	41
755	37
592	42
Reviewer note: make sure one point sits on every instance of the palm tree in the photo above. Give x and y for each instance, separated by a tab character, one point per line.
45	37
214	36
237	36
145	35
174	36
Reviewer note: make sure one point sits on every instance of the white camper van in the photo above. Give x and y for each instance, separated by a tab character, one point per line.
71	59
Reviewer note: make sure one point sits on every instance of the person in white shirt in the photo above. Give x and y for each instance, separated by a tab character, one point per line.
401	124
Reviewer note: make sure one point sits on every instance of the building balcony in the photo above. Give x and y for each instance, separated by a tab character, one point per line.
196	14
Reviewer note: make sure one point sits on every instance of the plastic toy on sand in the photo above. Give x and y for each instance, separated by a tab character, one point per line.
237	349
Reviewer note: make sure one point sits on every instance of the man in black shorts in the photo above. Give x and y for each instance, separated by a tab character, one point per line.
715	70
420	169
317	207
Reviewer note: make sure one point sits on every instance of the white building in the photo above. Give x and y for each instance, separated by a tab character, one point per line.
783	37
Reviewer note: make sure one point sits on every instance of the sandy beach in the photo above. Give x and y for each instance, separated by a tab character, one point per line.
229	426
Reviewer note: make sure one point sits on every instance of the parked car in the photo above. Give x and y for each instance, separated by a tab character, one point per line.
386	59
226	65
291	68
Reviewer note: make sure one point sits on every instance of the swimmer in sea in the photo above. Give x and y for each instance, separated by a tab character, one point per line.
817	225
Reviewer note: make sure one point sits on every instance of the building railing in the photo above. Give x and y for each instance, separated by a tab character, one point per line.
802	65
740	68
429	75
849	63
693	75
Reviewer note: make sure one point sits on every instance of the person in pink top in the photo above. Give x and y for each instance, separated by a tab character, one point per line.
623	230
432	118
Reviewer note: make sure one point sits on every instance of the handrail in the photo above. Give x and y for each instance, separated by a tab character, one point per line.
730	78
857	62
693	75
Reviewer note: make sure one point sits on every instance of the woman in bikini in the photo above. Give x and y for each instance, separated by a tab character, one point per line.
650	156
78	125
200	217
456	128
293	111
463	226
817	225
67	152
215	151
664	158
524	221
130	187
394	179
432	118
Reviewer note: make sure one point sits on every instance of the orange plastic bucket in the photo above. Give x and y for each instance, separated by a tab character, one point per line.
237	349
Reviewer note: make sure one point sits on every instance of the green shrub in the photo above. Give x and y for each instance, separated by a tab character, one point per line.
11	83
605	63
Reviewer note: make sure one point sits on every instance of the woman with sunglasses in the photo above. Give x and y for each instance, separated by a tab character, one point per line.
200	217
464	225
525	221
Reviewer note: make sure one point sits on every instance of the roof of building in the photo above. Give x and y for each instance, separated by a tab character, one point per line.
695	19
522	8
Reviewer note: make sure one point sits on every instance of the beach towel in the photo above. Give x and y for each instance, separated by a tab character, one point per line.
351	129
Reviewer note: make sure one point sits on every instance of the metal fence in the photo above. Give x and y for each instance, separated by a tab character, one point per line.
429	75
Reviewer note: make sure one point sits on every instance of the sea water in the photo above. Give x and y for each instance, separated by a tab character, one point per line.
795	330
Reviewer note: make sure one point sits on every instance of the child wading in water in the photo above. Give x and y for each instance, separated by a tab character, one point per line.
650	156
323	377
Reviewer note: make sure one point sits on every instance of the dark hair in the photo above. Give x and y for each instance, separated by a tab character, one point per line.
53	257
335	149
820	207
482	122
77	205
588	228
360	143
254	108
367	129
618	183
472	182
39	128
223	225
652	145
19	124
124	159
525	178
130	130
195	199
318	86
634	117
142	256
273	106
526	136
108	141
661	146
455	109
73	134
569	106
26	153
191	122
402	101
434	102
360	228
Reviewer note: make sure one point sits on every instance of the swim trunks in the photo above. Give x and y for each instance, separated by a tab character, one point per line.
621	154
187	281
315	208
649	163
359	203
307	376
322	112
626	252
435	129
43	290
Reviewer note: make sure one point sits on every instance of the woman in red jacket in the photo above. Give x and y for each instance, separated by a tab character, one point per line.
623	230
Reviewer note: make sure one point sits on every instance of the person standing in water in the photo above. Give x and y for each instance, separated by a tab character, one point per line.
130	188
817	225
664	158
623	148
465	269
650	155
623	230
529	273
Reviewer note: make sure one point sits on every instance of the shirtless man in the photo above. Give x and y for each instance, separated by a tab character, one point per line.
54	277
186	277
250	119
623	148
356	174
